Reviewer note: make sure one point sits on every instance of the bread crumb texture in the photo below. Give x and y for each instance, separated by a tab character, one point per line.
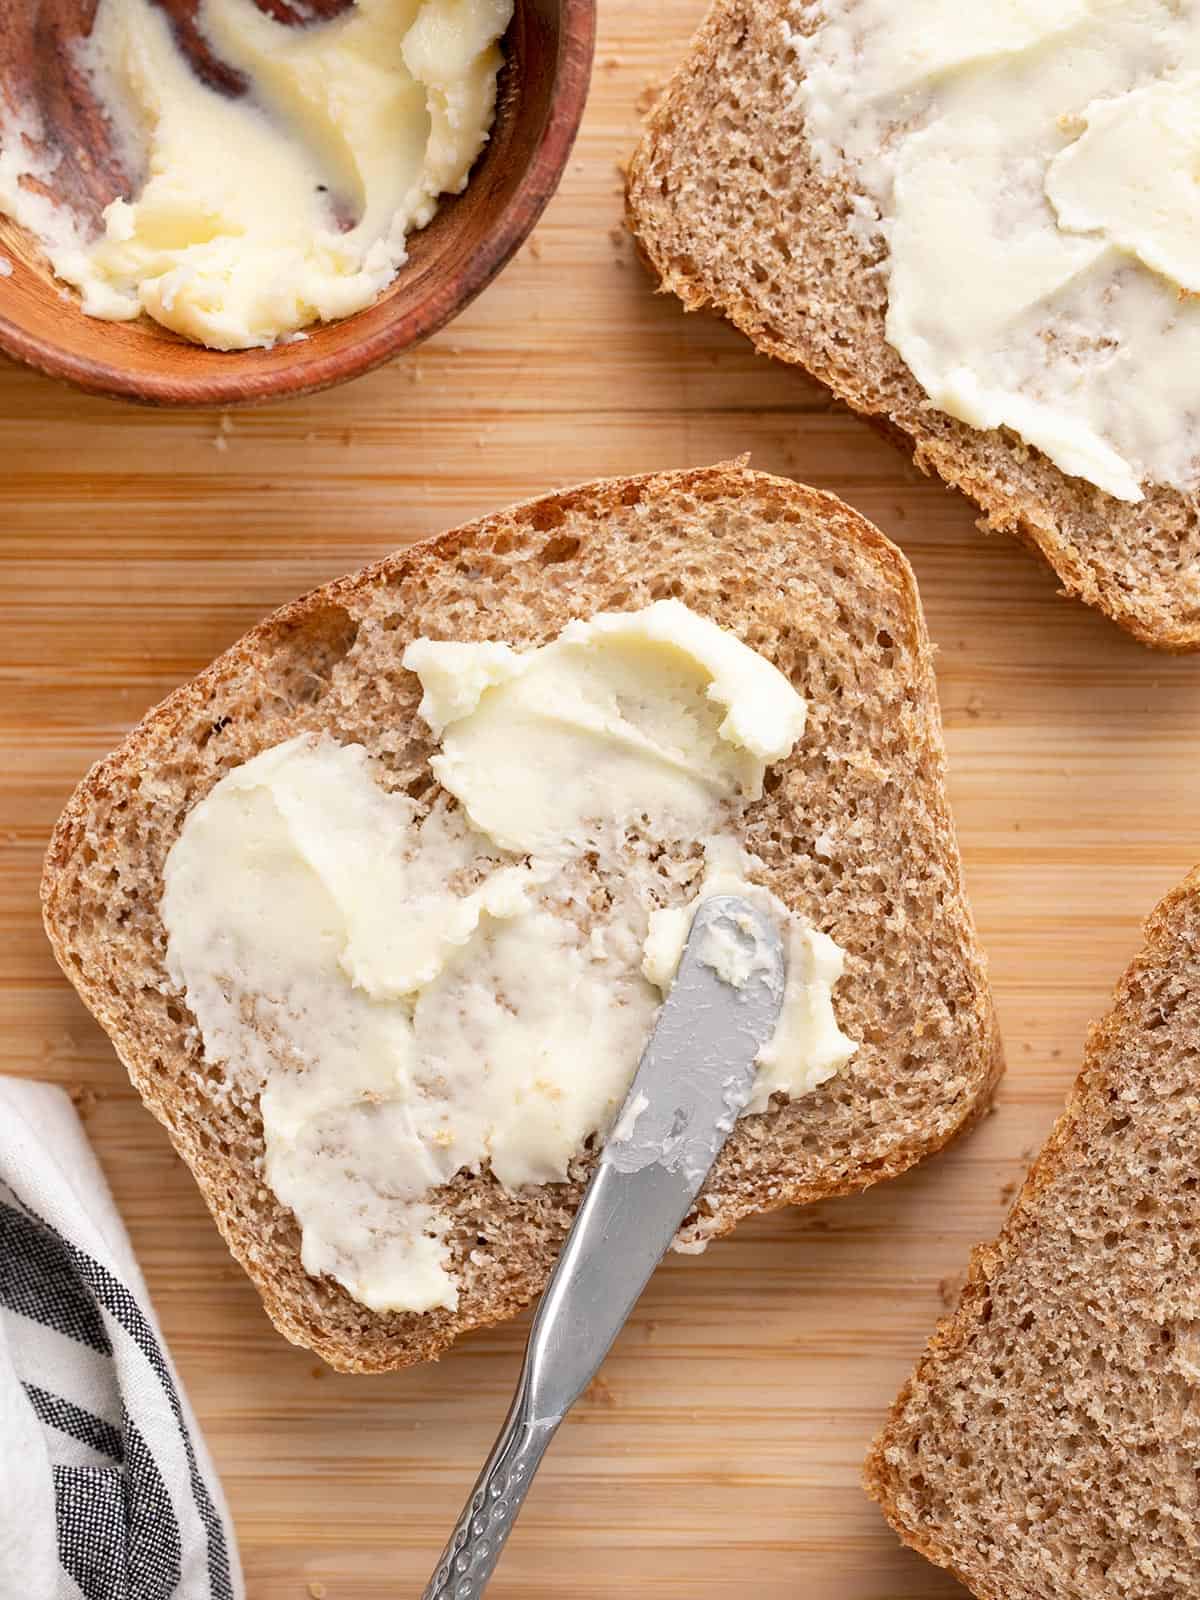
730	210
795	574
1048	1443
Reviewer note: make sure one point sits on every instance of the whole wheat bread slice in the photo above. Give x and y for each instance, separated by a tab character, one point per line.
730	211
854	831
1048	1444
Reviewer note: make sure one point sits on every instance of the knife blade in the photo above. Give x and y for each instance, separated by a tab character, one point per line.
695	1076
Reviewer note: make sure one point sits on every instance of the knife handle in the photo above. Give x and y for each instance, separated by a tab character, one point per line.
590	1294
469	1558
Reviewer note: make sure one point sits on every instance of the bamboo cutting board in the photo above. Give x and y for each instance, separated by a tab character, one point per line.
720	1449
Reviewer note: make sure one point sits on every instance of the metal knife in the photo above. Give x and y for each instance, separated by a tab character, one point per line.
695	1076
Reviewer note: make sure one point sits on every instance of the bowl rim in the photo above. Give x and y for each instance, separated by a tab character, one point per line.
538	183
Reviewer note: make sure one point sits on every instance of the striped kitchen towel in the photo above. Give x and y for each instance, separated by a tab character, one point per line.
106	1489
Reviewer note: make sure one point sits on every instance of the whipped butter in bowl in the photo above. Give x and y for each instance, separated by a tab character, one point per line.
416	990
258	213
235	200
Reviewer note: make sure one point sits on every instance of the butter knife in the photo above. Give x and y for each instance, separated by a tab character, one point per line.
695	1076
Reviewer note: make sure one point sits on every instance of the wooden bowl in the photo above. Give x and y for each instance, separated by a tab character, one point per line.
542	90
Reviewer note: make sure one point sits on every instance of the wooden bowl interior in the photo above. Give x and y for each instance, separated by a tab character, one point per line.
542	89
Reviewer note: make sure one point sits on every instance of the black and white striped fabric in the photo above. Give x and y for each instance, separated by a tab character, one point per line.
106	1489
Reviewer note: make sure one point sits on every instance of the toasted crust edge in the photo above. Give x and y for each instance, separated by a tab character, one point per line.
878	1478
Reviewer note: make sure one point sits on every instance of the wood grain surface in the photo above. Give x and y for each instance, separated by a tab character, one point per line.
719	1452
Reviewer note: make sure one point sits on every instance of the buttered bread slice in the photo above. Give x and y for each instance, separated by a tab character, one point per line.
379	909
977	222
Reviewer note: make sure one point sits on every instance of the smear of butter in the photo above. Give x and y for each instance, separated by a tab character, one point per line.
416	995
1033	172
658	708
416	1008
1133	177
263	213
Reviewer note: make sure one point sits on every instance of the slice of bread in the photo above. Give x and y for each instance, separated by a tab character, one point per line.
854	832
731	211
1048	1444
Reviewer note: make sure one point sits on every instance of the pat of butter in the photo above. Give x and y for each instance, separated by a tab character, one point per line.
658	706
262	213
413	996
1032	169
1133	177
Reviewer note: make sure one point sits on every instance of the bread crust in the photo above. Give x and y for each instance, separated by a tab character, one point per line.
1107	1080
802	578
730	212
